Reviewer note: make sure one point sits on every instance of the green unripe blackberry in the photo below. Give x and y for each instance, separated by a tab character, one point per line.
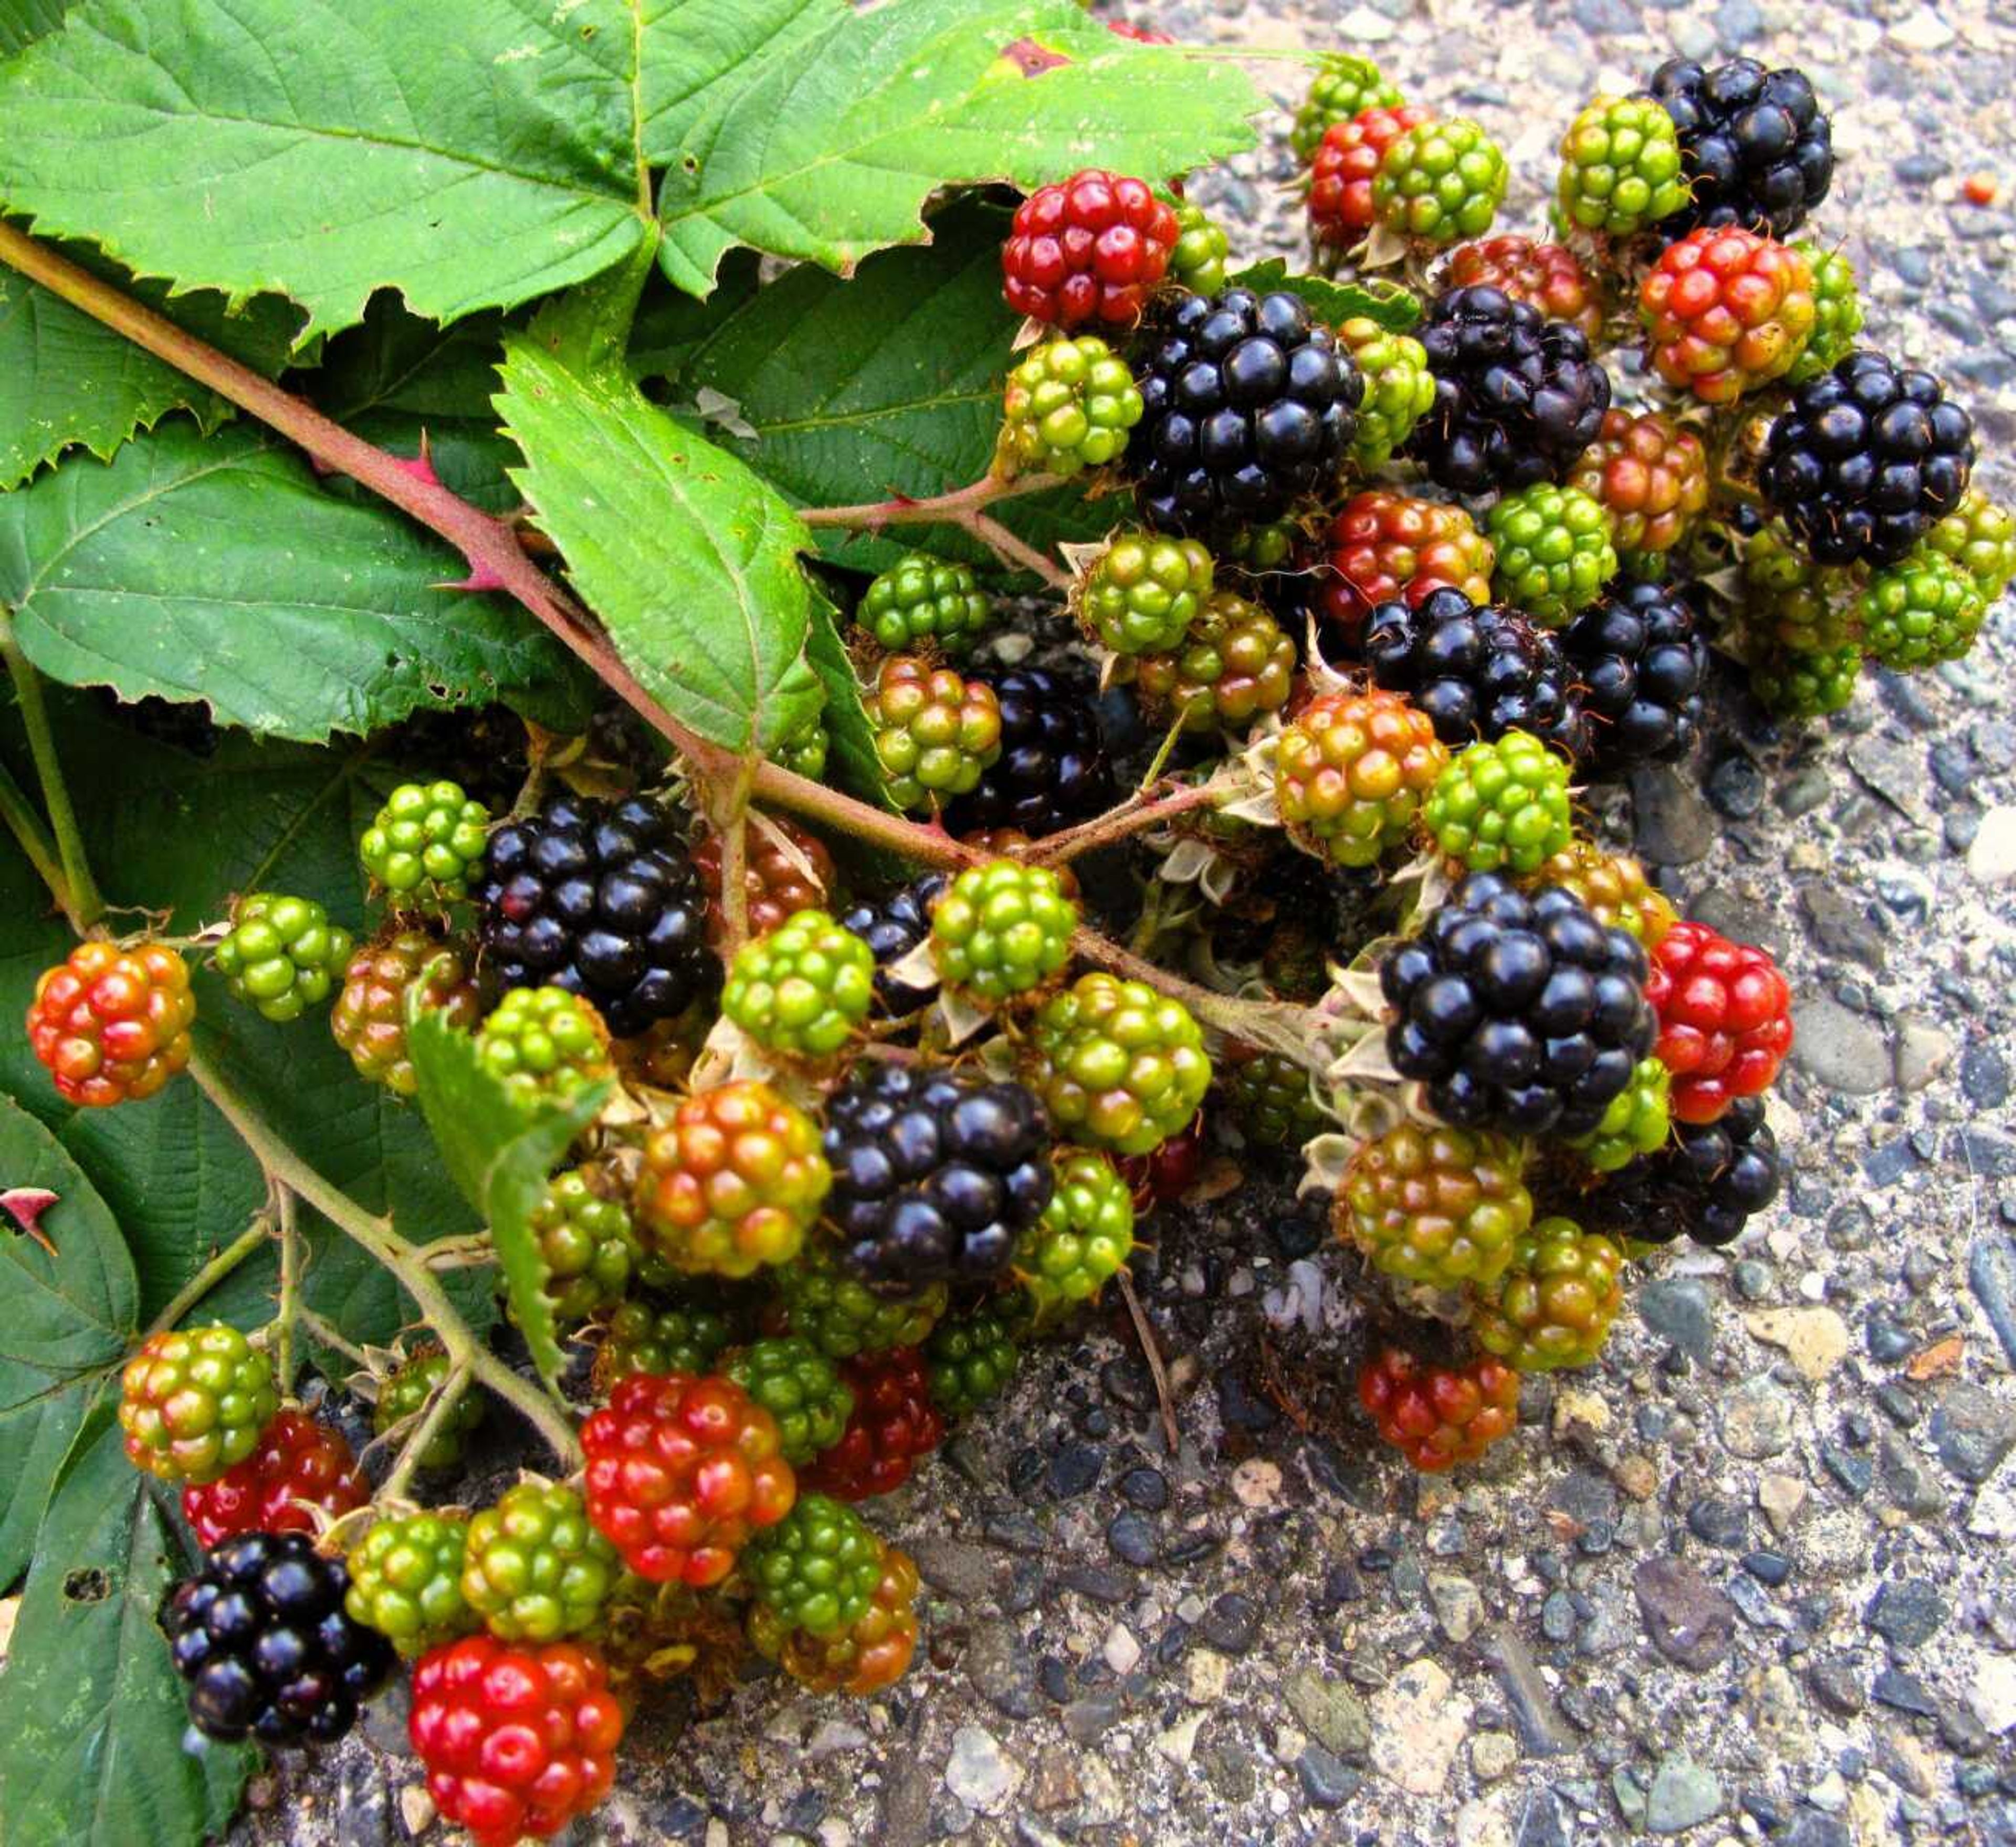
1554	551
545	1042
1436	1204
1270	1097
1553	1305
1836	314
426	839
1440	182
1344	85
535	1569
802	989
1259	548
405	1580
1980	537
936	734
1621	167
1802	607
1144	591
1235	664
1067	406
970	1358
1807	685
404	1394
923	598
194	1402
1118	1065
1638	1121
1086	1234
840	1315
688	1337
816	1568
1399	389
282	955
1002	929
1920	612
801	1387
1501	804
804	753
1197	262
587	1243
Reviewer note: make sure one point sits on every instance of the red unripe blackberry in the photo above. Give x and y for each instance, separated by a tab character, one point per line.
1385	545
113	1024
517	1741
1168	1171
1548	276
299	1469
1088	249
1439	1416
1347	162
1652	477
400	967
787	870
894	1422
1725	1019
681	1472
1725	311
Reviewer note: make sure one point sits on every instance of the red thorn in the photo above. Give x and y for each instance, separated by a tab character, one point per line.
25	1205
420	467
482	576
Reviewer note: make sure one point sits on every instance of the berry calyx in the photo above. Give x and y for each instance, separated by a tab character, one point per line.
425	842
298	1470
1436	1205
1553	551
1086	1234
1621	167
113	1024
1001	930
1352	772
681	1472
406	1580
194	1403
1088	249
1144	591
1440	182
802	989
1501	804
801	1389
405	1394
1553	1307
733	1180
534	1568
545	1042
282	954
1439	1416
1068	406
403	970
894	1422
817	1568
1725	311
1725	1023
1118	1065
934	732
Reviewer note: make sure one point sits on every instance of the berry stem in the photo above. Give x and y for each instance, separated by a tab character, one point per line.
962	508
332	1336
33	837
426	1425
289	1312
407	1262
84	907
252	1238
1137	815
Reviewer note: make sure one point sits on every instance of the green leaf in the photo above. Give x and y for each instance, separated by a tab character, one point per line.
688	558
67	1324
471	153
22	22
884	384
852	737
501	1153
828	148
1394	308
217	571
92	1713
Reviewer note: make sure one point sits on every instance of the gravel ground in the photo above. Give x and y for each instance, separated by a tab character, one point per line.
1749	1578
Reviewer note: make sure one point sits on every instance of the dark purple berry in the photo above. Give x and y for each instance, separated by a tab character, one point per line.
1754	147
1639	658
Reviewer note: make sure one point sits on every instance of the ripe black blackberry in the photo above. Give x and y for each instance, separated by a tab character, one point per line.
892	927
1477	671
1866	460
1249	405
1641	665
934	1175
1518	1009
1755	148
602	902
261	1636
1704	1184
1053	770
1517	396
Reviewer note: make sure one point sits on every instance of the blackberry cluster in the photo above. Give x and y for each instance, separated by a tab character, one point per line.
261	1636
1477	672
1248	406
1867	458
1641	664
892	928
1518	1009
1053	769
934	1175
602	902
1755	148
1704	1184
1517	396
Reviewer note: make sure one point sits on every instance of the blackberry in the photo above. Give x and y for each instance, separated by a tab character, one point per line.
971	1358
1477	672
1435	1205
842	1318
1350	771
545	1042
1399	390
398	969
1053	769
1518	397
261	1636
935	732
817	1568
934	1175
406	1580
892	928
424	842
1248	406
1118	1065
1344	84
1436	1416
922	598
1440	182
1550	275
1614	888
1069	404
602	902
688	1337
1002	929
1866	460
1202	249
1621	167
1235	665
1554	551
194	1403
1269	1094
1755	148
1919	613
802	990
282	955
1704	1185
587	1244
533	1568
1554	1306
1639	659
894	1422
1809	684
1518	1009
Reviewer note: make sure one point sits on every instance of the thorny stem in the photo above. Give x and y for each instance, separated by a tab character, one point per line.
332	1336
963	507
252	1238
84	907
472	1252
288	1313
440	1406
406	1261
1137	815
